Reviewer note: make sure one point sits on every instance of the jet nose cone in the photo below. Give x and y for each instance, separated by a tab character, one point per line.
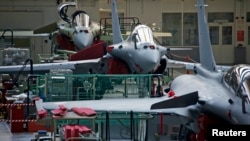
153	58
151	61
82	39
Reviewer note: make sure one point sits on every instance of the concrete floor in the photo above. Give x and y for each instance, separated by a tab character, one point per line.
6	135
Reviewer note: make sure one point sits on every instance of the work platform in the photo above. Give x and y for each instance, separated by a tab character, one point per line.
117	124
58	86
54	89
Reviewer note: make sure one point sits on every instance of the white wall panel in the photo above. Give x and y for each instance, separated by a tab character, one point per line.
171	6
220	5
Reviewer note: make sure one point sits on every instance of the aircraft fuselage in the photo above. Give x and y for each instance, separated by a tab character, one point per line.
216	97
141	59
139	51
81	36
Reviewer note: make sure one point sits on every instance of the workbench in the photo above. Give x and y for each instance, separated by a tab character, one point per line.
71	116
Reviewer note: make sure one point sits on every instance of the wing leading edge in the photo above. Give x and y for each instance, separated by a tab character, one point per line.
143	105
46	67
178	102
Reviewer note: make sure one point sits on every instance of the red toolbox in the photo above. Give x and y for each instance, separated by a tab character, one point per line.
17	118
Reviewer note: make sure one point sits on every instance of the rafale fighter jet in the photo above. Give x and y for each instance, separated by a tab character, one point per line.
212	95
75	32
137	54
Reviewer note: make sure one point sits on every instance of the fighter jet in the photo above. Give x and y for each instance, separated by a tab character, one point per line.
212	95
74	32
137	54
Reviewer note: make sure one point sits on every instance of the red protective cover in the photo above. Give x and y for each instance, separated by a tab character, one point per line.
67	131
61	111
56	112
74	130
84	129
96	50
65	42
84	111
62	107
42	113
116	66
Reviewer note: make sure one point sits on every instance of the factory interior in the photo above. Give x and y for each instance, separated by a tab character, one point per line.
104	70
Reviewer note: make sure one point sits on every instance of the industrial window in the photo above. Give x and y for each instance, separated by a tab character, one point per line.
182	35
221	32
227	35
227	38
220	17
172	23
184	28
214	35
190	29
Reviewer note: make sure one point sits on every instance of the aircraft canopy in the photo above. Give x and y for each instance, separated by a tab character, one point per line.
80	18
238	78
142	34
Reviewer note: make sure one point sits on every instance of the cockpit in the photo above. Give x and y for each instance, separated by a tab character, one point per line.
238	78
80	18
141	34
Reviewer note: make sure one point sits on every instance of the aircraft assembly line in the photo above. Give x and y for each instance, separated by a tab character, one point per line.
131	55
186	109
78	28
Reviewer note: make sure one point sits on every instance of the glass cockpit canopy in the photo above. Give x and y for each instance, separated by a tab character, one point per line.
142	33
238	78
80	18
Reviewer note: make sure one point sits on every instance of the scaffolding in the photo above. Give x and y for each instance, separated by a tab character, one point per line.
68	87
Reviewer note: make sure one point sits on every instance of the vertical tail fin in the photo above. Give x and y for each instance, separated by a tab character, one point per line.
206	53
117	36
